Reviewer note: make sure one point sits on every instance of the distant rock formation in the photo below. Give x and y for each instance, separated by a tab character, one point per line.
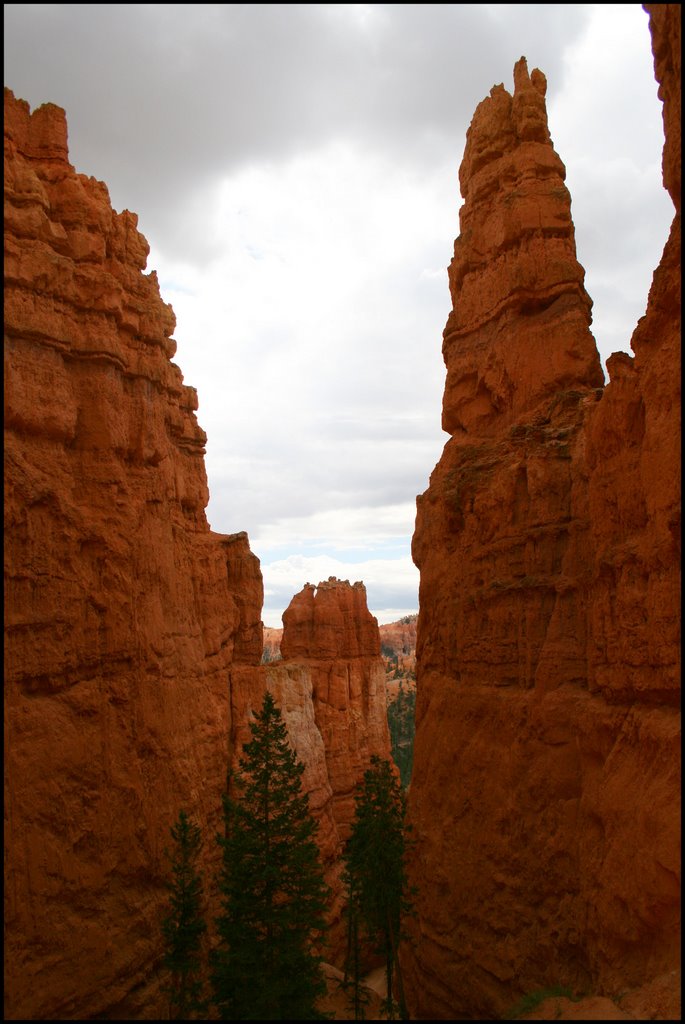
546	786
398	639
126	618
330	621
272	644
330	686
330	630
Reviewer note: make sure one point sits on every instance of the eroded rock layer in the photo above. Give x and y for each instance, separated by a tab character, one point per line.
330	630
331	686
545	791
125	616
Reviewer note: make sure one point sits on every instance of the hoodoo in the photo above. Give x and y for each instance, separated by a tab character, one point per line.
545	794
330	630
126	618
331	685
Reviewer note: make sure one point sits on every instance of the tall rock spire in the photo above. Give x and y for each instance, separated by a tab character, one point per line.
545	790
519	328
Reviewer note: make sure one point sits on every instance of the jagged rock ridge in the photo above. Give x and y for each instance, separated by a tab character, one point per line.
545	790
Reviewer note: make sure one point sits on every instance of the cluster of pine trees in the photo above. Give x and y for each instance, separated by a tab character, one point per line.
265	963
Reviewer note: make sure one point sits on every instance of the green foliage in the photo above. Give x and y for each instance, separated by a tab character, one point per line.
273	892
401	716
531	1001
375	872
184	926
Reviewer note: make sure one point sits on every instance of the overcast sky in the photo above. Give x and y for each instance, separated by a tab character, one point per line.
295	171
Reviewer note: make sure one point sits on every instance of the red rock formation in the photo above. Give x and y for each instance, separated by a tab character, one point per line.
514	271
657	1000
330	631
331	686
399	638
633	457
398	647
133	632
272	644
330	621
545	790
125	616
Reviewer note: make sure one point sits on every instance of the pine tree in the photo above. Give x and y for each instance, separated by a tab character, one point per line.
273	892
359	997
184	926
401	714
375	871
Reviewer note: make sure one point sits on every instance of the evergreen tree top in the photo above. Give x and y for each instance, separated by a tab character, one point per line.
273	892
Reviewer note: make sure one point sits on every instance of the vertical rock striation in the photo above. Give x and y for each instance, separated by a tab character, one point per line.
125	616
545	790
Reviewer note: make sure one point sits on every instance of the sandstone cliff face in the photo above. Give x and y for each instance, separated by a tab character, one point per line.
545	790
125	616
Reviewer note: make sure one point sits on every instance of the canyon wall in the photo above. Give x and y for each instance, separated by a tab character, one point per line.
126	618
546	787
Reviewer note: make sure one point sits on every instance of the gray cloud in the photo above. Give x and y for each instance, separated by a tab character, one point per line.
165	99
294	167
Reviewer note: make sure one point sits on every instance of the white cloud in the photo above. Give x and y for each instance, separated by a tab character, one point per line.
311	340
340	528
620	210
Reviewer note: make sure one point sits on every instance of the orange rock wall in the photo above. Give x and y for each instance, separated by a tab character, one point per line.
125	617
545	792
